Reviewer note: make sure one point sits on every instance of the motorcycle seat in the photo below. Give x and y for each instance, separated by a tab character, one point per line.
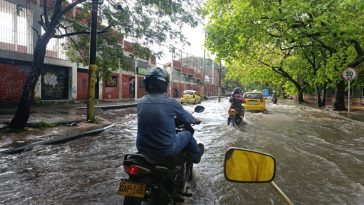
155	160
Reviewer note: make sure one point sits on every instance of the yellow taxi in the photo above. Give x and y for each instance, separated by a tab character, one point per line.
254	101
191	96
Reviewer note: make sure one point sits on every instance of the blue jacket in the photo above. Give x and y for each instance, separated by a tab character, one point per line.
156	126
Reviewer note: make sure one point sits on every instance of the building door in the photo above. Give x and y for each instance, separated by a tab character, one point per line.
55	83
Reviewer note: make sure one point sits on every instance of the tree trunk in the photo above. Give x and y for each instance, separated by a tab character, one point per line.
21	116
318	95
324	96
339	103
321	95
300	96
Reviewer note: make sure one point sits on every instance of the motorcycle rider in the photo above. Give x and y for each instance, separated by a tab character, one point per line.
236	99
274	97
157	135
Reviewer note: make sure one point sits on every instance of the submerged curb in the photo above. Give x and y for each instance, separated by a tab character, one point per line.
109	107
56	141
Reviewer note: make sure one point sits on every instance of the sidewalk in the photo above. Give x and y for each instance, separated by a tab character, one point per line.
356	111
52	124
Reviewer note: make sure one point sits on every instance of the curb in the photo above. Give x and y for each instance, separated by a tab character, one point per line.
108	107
33	124
55	141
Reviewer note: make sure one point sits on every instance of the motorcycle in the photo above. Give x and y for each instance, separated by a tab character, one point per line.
247	166
234	118
274	99
157	181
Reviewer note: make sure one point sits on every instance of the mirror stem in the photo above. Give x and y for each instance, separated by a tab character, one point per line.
280	192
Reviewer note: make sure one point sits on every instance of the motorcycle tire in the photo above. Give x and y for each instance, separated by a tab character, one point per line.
238	120
128	200
188	171
160	198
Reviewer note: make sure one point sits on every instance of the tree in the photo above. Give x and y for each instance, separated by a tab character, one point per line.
147	22
282	34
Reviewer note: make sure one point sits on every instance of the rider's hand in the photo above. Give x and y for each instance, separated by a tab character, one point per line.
197	121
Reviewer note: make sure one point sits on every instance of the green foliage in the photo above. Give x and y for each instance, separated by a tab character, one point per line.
43	124
144	22
359	81
300	43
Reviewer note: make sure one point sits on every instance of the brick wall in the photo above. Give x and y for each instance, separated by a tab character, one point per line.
82	83
125	86
109	92
12	80
141	90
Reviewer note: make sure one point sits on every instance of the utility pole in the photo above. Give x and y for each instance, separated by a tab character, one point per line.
136	80
203	72
219	89
172	71
180	75
92	67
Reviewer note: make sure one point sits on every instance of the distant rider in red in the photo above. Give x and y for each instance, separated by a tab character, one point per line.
236	99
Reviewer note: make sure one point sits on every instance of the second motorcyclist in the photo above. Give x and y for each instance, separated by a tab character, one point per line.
236	99
157	135
274	97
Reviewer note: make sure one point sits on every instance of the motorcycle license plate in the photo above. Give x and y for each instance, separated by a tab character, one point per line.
133	189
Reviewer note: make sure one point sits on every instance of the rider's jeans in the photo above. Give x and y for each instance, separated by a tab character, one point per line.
185	139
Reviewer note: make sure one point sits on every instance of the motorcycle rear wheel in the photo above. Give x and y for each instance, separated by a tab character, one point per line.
128	200
238	120
189	170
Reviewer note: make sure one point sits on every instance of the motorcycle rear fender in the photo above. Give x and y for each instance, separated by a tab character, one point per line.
157	170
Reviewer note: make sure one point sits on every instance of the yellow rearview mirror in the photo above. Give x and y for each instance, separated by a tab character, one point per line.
242	165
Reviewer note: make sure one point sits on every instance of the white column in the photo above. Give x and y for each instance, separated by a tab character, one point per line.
121	85
100	89
73	83
136	81
38	91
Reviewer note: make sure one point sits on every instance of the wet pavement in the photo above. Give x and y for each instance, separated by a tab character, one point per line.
54	122
319	154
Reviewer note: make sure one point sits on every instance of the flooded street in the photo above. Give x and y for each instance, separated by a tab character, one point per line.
319	155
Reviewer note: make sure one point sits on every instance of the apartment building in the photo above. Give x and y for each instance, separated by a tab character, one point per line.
61	79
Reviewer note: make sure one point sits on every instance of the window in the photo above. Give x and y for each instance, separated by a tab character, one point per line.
22	31
113	82
6	31
129	64
15	28
253	95
142	64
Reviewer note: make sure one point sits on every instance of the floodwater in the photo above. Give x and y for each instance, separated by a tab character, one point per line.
319	155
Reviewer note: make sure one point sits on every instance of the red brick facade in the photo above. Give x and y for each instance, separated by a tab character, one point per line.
111	91
82	83
12	80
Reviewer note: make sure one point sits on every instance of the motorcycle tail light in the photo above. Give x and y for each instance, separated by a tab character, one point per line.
135	170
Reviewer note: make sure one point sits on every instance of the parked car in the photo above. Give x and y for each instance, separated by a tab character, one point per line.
254	101
191	96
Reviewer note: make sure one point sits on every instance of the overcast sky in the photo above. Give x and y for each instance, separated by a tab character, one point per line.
196	38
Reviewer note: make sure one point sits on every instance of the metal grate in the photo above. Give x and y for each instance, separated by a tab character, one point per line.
16	28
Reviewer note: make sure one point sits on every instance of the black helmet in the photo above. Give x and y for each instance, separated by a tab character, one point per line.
237	90
156	81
